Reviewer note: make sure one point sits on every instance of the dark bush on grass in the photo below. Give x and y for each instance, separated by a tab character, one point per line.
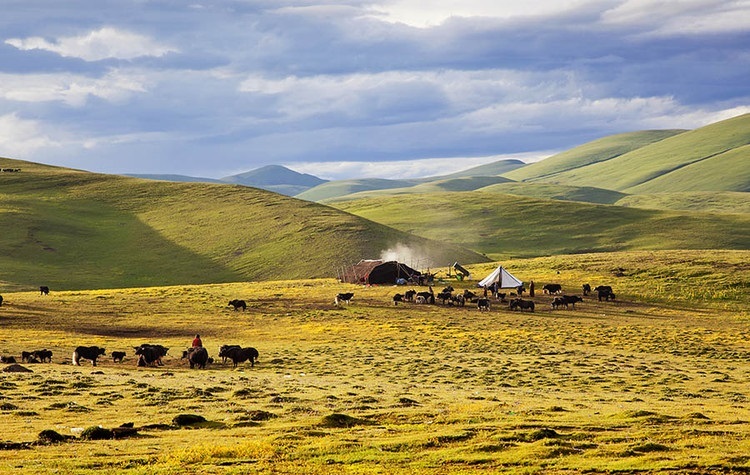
50	436
188	420
542	434
96	433
343	421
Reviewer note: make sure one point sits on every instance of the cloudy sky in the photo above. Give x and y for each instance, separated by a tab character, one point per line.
356	88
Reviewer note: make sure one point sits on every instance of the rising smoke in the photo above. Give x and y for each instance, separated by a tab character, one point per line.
404	254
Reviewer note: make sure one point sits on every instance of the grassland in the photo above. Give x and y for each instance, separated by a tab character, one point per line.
655	382
509	225
70	230
711	158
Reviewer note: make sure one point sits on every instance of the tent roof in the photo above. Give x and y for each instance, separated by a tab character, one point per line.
505	278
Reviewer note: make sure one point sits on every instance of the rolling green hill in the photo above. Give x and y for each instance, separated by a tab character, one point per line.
712	158
506	225
600	150
70	229
586	194
450	184
701	201
334	189
490	169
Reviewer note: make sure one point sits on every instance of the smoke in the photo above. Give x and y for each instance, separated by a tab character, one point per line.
406	255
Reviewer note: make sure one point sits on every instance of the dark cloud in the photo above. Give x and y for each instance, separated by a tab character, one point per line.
158	86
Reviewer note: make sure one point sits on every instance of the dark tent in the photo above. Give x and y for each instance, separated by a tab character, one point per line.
379	272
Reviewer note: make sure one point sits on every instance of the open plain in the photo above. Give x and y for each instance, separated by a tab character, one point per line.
654	382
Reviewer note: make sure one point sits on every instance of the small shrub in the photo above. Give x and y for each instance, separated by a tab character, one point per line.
343	421
50	436
96	433
187	419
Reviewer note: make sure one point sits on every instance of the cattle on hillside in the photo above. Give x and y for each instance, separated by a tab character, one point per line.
196	356
398	298
118	356
45	355
552	288
566	300
7	359
240	355
90	353
238	304
43	290
586	289
343	297
409	295
520	304
1	300
483	304
150	355
604	292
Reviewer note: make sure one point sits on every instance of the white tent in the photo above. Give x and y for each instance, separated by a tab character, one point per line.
505	279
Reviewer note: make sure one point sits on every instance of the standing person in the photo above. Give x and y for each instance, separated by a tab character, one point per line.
197	343
531	288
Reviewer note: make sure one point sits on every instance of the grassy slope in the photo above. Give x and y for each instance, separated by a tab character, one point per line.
71	229
448	184
597	151
655	382
557	192
666	165
490	169
701	201
333	189
507	225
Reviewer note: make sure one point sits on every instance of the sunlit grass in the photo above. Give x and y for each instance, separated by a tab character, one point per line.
651	382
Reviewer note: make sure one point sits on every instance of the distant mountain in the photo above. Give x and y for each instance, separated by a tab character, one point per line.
276	178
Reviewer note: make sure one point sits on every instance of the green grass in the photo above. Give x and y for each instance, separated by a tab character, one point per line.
699	201
506	225
601	150
70	230
714	157
655	382
557	192
333	189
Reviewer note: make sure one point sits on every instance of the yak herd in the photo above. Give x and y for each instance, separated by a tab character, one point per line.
514	300
147	354
197	357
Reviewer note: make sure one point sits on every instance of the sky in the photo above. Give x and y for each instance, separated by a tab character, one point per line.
356	88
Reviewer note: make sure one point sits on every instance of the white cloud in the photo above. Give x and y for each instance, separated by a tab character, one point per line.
21	137
96	45
681	17
70	89
404	169
415	13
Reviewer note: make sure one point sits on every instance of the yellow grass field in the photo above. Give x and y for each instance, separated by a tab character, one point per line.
655	382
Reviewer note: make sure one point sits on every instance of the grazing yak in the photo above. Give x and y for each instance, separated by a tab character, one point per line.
586	289
43	290
483	304
604	291
566	300
196	356
552	288
45	355
240	355
7	359
343	297
398	298
409	295
223	350
237	304
1	300
118	356
149	354
521	304
87	353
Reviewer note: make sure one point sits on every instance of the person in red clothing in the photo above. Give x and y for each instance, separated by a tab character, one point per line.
197	343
